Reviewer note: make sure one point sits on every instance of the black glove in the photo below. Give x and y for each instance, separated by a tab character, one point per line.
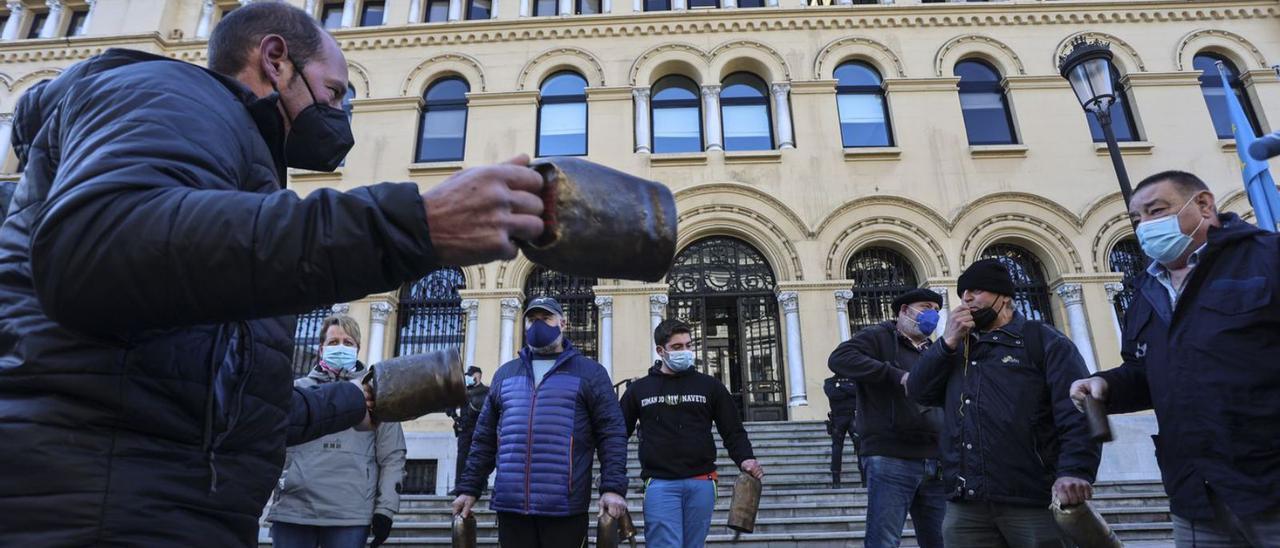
381	530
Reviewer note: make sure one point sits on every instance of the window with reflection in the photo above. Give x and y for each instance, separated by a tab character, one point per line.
37	23
588	7
744	113
1215	96
75	27
437	11
751	3
545	7
1122	122
987	118
331	15
442	131
677	115
562	115
479	9
864	113
657	5
372	14
695	4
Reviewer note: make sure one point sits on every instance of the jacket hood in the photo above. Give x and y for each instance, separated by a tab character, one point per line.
322	374
656	371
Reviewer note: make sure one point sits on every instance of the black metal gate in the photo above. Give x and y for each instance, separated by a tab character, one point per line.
306	340
1127	258
724	288
430	313
578	299
1031	292
879	276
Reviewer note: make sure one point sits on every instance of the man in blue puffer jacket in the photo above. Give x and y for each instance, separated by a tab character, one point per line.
547	412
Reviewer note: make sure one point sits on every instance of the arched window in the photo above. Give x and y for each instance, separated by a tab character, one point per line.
1127	258
577	297
1030	290
987	118
479	9
562	116
744	112
430	315
864	113
306	340
442	132
346	100
677	116
1122	122
1215	96
879	276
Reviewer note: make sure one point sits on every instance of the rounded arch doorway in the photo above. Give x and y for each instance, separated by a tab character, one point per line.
724	288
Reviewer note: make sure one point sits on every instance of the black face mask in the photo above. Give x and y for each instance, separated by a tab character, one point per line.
320	136
984	317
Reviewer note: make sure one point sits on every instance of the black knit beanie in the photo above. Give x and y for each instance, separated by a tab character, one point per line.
988	275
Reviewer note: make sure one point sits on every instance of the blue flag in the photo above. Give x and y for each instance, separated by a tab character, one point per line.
1257	175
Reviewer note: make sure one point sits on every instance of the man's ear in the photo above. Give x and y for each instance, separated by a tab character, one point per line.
273	60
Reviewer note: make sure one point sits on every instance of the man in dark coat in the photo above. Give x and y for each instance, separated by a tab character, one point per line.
1201	346
1012	442
152	266
842	394
464	419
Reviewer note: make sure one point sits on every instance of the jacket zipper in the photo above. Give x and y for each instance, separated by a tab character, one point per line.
570	482
528	444
236	405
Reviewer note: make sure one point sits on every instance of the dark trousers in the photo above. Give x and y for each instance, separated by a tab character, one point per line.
992	525
1228	530
289	535
464	450
520	531
841	425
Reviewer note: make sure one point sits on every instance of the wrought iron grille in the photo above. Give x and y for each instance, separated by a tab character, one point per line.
306	340
879	276
724	289
578	300
419	477
1127	258
1030	291
430	313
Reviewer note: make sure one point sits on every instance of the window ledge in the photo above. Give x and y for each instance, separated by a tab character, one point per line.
308	175
678	159
858	154
1127	148
434	168
753	157
998	151
1227	145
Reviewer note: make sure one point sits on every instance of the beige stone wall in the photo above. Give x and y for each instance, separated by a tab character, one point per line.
932	197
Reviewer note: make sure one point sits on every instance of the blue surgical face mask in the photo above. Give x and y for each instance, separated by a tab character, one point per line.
469	380
927	321
541	335
1162	239
679	360
339	356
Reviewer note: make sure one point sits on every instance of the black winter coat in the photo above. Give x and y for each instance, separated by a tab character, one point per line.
1211	369
149	274
842	394
1011	429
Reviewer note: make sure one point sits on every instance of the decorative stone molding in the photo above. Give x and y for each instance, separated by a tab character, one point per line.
651	59
446	63
341	308
1159	79
685	195
604	305
857	47
1128	59
843	296
724	53
363	88
943	292
789	300
1071	294
470	306
510	308
813	87
689	232
1241	47
551	60
387	104
658	305
900	202
872	229
502	98
1115	229
20	85
945	84
1050	241
1033	200
977	43
1113	289
380	311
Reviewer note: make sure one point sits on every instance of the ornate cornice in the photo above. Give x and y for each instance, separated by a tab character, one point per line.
1155	79
944	84
616	93
502	98
389	104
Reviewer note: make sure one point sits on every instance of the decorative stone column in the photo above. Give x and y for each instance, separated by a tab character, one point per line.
842	313
14	23
507	345
606	6
1072	295
790	301
782	107
711	113
6	125
348	14
341	308
415	16
944	311
471	308
1113	292
88	17
566	7
604	304
640	97
378	314
657	312
54	22
455	11
679	5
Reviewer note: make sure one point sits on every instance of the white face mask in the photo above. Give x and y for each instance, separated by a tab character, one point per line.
679	360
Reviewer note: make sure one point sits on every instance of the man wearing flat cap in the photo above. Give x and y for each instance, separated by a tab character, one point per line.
899	439
1013	440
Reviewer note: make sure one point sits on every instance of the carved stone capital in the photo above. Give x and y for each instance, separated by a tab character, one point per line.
510	308
380	311
790	301
341	308
842	298
1113	289
658	305
942	292
640	94
470	306
780	89
605	305
709	92
1072	294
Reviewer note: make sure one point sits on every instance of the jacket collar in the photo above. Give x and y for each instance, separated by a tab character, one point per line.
322	374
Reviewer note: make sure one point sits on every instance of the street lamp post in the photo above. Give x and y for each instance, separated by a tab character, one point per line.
1088	68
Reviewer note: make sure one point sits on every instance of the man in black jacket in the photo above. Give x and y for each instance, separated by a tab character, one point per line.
1013	441
1200	346
675	406
842	394
152	267
898	439
464	419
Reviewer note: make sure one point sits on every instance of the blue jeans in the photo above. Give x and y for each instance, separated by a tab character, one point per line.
896	486
1227	530
677	513
292	535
